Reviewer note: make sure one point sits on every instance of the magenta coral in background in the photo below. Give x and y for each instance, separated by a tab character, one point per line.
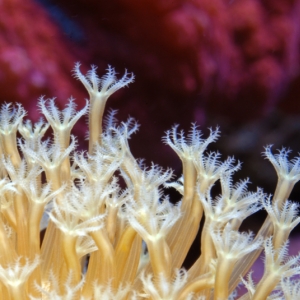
217	55
34	60
240	56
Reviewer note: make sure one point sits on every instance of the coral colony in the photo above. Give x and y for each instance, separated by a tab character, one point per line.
104	241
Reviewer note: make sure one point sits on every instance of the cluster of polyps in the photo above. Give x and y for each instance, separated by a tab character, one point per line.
107	242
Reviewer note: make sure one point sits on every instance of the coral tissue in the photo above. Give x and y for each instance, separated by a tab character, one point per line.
111	232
